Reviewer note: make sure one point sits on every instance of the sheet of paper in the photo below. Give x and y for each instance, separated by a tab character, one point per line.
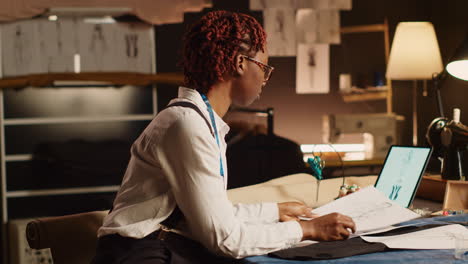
435	238
375	231
370	210
280	28
313	68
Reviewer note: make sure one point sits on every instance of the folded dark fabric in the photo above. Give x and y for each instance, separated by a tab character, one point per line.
343	248
330	250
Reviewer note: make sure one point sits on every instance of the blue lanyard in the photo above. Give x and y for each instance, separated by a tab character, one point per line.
213	122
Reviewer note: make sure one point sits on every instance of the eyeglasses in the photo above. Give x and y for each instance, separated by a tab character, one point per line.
267	69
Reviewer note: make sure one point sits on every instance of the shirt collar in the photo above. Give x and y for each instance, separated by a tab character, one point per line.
194	96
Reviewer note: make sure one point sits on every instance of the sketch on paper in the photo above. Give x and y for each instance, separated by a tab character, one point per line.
297	4
312	68
369	208
135	48
328	26
280	29
322	26
264	4
306	22
57	44
112	47
324	4
20	49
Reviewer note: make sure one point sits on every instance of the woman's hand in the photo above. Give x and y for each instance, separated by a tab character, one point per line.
329	227
290	211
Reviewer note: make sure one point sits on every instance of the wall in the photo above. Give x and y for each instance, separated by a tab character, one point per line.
299	117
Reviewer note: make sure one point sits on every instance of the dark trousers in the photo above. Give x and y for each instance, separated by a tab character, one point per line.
173	249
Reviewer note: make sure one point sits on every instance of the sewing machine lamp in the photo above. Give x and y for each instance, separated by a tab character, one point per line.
449	138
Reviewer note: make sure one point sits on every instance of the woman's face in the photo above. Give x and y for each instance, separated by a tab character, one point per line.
249	84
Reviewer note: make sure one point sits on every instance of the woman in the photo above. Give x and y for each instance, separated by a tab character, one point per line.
179	162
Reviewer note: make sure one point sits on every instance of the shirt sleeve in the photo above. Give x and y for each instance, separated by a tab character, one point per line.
190	157
257	212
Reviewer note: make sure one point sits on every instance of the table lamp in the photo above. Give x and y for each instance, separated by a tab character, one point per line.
414	55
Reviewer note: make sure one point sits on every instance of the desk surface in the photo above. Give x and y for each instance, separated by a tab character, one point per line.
388	257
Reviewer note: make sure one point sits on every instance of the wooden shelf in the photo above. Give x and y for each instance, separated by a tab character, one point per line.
387	95
432	187
367	96
363	28
109	78
354	163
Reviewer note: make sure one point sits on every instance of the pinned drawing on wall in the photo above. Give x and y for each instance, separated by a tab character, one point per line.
312	68
43	46
324	4
280	27
306	20
316	25
20	50
259	5
328	27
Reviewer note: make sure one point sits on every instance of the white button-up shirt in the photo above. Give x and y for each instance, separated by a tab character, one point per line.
176	161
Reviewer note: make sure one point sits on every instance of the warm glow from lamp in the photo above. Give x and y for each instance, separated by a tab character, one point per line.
458	69
458	66
415	53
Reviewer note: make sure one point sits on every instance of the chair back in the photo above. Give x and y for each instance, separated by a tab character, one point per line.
72	238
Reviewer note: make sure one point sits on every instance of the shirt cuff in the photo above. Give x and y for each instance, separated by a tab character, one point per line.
295	230
270	212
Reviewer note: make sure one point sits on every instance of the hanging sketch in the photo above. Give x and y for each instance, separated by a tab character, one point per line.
321	26
20	49
328	26
41	46
259	5
297	4
114	47
324	4
97	47
280	28
133	48
312	68
306	19
57	45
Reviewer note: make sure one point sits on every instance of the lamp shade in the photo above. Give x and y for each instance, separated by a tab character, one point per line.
415	53
458	66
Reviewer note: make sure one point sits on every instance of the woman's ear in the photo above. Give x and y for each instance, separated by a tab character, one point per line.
240	64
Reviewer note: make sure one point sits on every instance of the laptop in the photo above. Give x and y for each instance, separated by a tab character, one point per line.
402	172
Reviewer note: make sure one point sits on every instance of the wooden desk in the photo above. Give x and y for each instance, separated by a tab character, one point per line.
453	194
432	187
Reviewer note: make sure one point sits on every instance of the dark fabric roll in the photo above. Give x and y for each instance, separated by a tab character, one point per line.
330	250
344	248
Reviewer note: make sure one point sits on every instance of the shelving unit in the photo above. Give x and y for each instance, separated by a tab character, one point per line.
75	81
369	96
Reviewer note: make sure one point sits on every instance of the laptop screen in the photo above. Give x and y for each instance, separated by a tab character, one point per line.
402	172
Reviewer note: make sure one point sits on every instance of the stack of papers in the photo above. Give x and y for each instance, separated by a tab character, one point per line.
374	213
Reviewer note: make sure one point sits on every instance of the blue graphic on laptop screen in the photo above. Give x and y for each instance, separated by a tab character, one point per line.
401	173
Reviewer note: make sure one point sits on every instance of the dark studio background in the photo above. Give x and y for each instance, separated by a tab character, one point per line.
297	117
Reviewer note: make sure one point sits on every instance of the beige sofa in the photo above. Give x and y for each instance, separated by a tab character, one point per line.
297	187
72	238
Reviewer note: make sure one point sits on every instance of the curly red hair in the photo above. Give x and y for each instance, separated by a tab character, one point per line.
211	45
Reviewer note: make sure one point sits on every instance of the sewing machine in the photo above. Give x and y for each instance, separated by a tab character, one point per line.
379	131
